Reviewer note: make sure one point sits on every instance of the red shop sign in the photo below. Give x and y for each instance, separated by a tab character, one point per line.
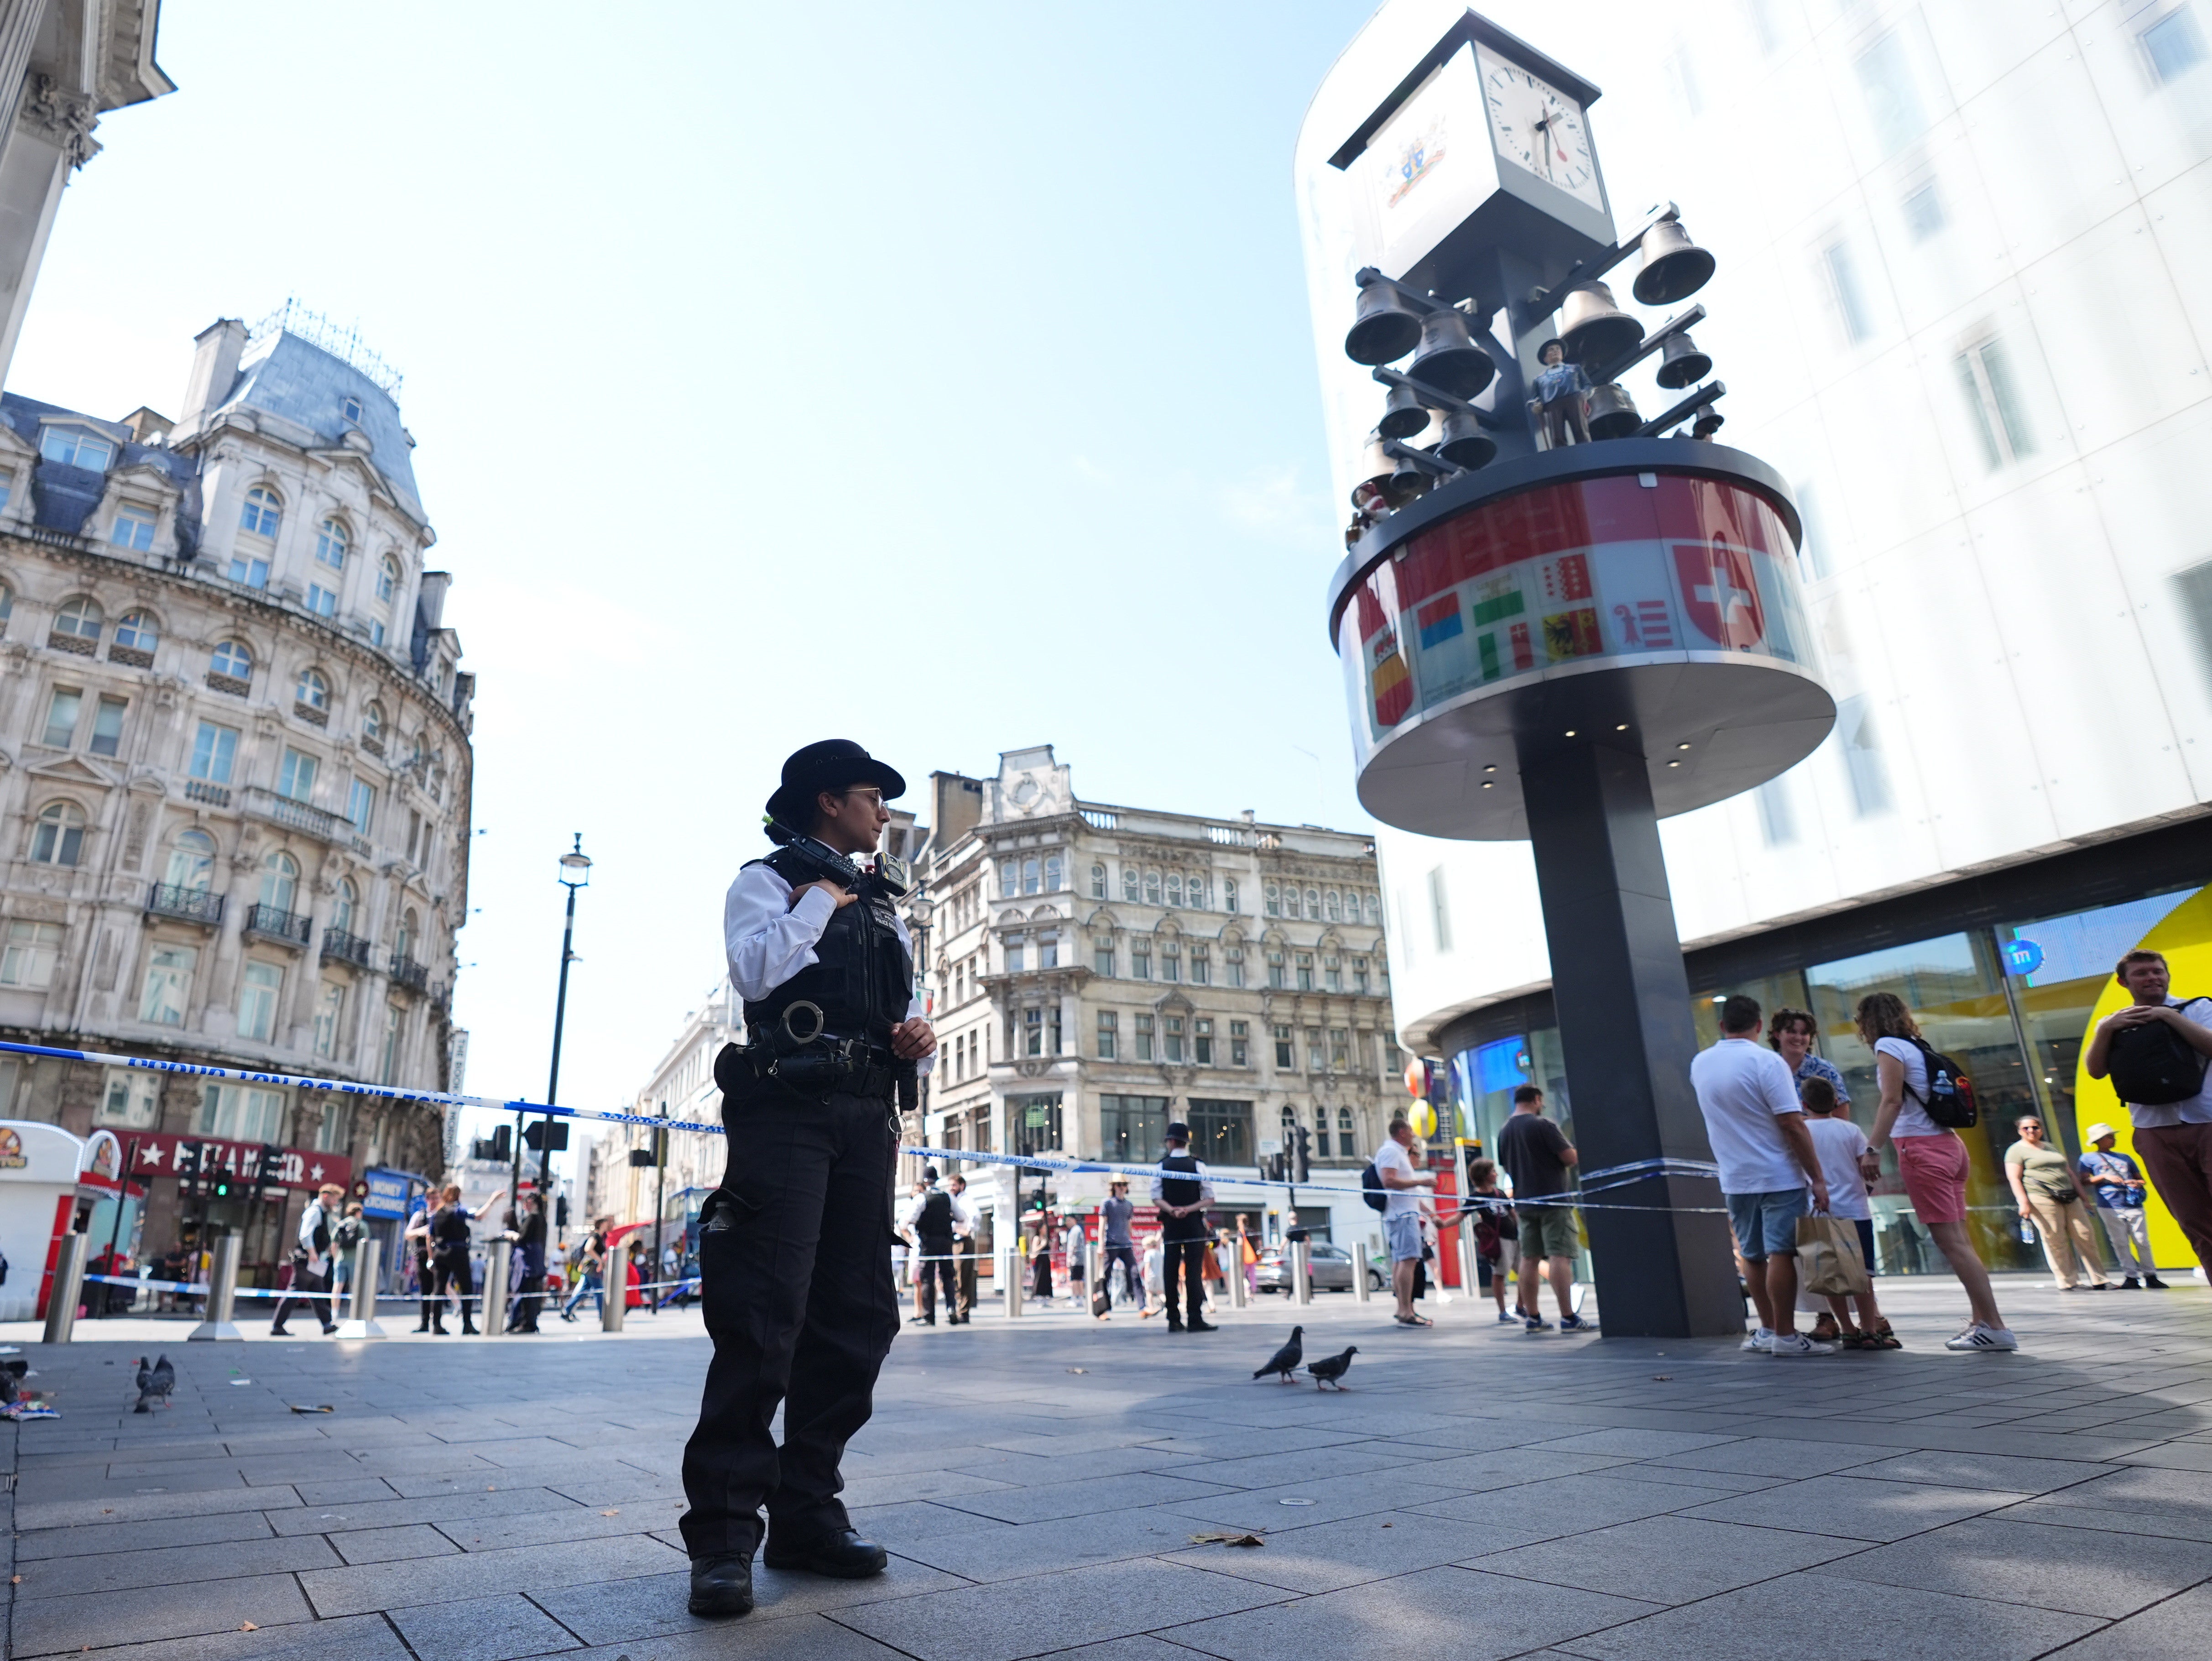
211	1158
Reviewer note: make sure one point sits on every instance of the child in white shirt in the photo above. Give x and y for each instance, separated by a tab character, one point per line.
1847	1163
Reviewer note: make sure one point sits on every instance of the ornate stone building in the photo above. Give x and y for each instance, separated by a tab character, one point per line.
234	776
1096	971
63	63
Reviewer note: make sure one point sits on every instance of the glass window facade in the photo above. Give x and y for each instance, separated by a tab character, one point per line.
2011	1002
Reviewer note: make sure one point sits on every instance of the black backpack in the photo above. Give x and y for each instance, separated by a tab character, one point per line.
2152	1064
1950	1098
1370	1189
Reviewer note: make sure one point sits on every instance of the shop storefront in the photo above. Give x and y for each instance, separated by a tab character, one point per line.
388	1199
212	1187
2003	973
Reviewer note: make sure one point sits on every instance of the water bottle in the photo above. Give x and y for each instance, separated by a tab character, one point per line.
2027	1233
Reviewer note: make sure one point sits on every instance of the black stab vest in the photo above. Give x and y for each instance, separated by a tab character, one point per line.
863	980
1182	1190
936	1222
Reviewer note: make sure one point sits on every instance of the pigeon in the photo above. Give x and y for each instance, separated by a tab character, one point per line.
1331	1369
155	1384
1285	1360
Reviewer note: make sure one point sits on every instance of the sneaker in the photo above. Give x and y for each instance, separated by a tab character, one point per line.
1978	1336
1507	1318
1758	1343
1797	1343
1535	1323
1576	1323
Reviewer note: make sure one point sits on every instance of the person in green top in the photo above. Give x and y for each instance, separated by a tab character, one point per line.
2043	1182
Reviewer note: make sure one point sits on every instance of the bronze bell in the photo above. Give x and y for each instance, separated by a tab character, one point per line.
1409	482
1464	443
1707	424
1595	330
1449	359
1680	363
1675	268
1385	327
1371	486
1612	412
1403	415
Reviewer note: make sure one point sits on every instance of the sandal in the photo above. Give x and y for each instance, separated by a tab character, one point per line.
1412	1321
1851	1338
1881	1338
1825	1331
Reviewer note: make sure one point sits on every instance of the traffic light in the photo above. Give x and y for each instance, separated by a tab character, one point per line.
561	1211
271	1172
498	1147
535	1133
1303	1141
653	1155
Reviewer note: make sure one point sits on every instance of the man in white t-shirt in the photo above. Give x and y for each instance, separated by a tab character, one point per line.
1401	1215
2173	1140
1768	1164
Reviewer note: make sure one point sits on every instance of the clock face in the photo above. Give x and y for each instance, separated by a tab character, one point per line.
1540	129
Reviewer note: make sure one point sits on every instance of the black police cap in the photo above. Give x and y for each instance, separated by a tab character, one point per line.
832	764
1178	1132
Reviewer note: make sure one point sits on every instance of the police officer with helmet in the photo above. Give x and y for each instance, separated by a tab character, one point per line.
794	1246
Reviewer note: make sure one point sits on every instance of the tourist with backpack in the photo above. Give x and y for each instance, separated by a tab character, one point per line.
1925	1101
2158	1054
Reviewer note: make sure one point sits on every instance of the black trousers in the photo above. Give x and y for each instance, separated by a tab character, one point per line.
936	1267
1189	1256
1127	1256
303	1282
451	1270
794	1253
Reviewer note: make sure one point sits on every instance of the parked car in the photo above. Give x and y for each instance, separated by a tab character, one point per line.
1329	1265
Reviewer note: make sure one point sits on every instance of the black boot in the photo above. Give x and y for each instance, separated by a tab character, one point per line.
2153	1281
427	1316
722	1585
843	1555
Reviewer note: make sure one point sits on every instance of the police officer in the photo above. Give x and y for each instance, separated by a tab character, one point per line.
1182	1191
794	1246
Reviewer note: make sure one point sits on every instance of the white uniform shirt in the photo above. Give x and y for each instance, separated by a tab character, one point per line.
768	939
1203	1178
313	1217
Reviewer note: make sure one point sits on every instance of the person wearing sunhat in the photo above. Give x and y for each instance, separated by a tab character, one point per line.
794	1245
2118	1185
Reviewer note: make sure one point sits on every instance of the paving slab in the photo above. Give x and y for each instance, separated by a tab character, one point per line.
1757	1623
2171	1631
482	1630
1854	1507
1035	1615
2087	1571
1457	1612
1668	1560
1470	1496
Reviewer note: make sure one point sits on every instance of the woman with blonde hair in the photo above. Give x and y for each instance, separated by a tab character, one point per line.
1930	1158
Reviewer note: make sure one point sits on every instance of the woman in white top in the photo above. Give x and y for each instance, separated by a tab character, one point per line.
1930	1158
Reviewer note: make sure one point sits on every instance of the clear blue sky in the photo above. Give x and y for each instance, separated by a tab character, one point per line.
936	377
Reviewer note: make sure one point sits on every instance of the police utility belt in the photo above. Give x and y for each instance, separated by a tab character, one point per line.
798	1053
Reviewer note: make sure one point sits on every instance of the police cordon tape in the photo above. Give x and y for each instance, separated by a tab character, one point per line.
201	1290
1593	1181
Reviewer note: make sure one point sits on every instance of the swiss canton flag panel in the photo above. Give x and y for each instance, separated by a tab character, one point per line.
1596	568
209	1159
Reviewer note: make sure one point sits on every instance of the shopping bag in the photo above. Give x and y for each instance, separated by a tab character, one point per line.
1102	1300
1828	1259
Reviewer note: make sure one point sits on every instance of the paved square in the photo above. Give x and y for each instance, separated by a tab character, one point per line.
1476	1493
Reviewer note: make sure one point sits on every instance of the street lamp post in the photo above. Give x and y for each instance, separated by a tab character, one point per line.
576	872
